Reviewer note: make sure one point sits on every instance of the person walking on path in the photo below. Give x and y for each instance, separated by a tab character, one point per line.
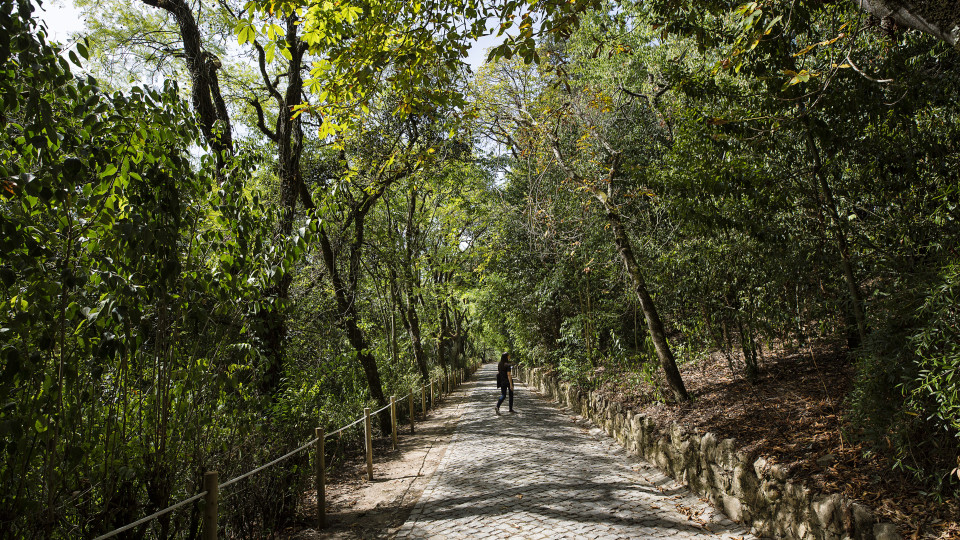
505	380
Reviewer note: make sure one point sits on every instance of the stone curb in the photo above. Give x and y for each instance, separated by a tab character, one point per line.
750	491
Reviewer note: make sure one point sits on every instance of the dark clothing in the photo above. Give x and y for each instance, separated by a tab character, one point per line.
503	394
503	383
503	380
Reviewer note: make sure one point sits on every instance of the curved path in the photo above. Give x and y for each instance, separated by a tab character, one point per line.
541	473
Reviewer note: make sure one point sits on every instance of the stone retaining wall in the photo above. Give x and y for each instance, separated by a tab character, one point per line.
751	491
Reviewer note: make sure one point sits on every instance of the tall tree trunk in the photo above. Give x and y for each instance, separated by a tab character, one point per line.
846	262
205	96
410	282
459	318
349	319
654	323
442	332
289	139
415	337
391	311
288	136
411	323
624	247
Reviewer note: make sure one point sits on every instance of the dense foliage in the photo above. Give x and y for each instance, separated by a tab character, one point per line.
193	280
774	193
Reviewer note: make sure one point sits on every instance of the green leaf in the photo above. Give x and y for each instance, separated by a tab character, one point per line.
109	170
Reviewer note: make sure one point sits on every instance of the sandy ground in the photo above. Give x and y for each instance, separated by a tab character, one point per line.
358	508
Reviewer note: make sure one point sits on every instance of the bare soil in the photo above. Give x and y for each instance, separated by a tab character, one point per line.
793	415
361	509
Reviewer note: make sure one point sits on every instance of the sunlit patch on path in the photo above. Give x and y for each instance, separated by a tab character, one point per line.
542	474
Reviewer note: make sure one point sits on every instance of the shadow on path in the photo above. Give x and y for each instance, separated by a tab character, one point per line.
539	474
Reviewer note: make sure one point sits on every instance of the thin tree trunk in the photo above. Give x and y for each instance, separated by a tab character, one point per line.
411	323
442	334
288	136
846	264
349	320
624	247
654	323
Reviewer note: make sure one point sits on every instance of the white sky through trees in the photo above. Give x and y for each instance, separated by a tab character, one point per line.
63	18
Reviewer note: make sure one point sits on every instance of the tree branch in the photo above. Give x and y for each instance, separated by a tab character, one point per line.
261	122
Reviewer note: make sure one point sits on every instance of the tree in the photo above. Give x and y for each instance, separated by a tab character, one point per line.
114	249
576	131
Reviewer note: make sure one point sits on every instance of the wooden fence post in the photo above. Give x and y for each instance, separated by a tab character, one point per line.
433	401
393	420
411	411
321	480
423	400
368	436
212	487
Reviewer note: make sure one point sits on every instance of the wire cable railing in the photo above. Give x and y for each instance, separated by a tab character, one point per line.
210	493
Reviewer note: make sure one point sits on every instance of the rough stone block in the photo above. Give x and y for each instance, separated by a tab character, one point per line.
798	495
885	531
770	490
724	479
779	472
708	447
761	466
726	453
827	512
732	507
863	522
745	482
762	527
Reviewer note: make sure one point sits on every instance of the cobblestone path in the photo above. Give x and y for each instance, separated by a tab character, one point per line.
541	473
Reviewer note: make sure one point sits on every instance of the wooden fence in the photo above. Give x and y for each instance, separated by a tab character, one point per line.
210	495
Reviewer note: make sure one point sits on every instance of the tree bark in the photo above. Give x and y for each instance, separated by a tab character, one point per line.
650	313
938	18
410	282
349	319
289	139
411	323
205	96
625	249
846	262
442	333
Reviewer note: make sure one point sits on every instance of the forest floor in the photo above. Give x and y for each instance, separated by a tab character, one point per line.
362	509
792	415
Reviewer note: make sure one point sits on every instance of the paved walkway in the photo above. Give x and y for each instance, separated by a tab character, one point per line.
542	474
